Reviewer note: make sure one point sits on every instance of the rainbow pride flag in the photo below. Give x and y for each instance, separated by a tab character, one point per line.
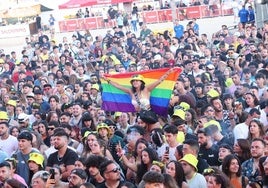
117	100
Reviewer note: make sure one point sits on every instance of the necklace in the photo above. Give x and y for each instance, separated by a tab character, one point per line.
59	158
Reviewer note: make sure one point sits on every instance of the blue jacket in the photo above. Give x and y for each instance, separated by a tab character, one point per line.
243	14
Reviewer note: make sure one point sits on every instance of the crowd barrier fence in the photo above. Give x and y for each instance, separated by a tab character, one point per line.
156	16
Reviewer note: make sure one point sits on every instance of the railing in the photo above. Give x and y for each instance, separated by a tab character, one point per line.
156	16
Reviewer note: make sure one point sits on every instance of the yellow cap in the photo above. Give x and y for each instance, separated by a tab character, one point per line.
1	61
95	86
184	105
88	133
37	158
137	77
180	113
102	125
190	159
3	115
213	122
213	93
12	103
117	114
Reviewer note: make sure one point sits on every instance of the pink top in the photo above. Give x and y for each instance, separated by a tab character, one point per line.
20	179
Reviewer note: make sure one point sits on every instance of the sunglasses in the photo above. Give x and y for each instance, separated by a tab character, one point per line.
51	128
114	170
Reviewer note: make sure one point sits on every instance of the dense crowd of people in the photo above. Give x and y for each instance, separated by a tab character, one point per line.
54	132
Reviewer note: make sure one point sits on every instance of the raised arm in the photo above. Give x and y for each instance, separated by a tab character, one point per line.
151	86
118	86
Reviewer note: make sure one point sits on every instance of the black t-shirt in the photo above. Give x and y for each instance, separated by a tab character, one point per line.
95	183
68	159
104	186
201	165
211	155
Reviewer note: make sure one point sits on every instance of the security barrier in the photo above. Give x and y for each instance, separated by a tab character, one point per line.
156	16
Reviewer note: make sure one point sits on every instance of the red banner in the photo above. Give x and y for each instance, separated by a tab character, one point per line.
151	17
165	15
91	23
193	12
71	25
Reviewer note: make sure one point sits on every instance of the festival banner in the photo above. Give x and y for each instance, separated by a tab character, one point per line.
117	100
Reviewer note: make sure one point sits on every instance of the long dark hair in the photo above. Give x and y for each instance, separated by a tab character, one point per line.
260	126
143	168
256	101
141	87
244	144
179	174
87	149
226	163
141	140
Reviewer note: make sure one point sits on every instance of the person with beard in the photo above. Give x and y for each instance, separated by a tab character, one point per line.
182	95
5	174
191	146
64	157
77	178
174	45
8	143
110	171
250	168
225	119
76	119
189	82
193	178
208	150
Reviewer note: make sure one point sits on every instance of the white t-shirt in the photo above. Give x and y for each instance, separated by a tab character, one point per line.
161	151
10	145
198	181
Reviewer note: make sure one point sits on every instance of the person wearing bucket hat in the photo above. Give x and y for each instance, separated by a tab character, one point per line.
178	113
95	94
193	178
10	109
139	91
103	131
35	162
